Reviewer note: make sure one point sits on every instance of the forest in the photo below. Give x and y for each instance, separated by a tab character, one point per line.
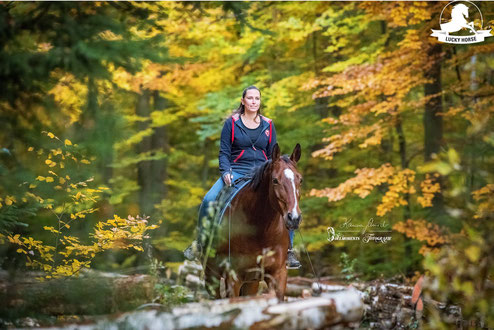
110	122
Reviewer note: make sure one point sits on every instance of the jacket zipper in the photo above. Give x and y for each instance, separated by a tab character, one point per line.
239	156
262	152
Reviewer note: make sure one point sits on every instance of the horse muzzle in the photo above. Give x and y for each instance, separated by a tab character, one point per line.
292	221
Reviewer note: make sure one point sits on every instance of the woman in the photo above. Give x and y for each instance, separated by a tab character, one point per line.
247	140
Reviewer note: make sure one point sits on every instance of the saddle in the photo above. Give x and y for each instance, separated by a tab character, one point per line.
218	207
226	196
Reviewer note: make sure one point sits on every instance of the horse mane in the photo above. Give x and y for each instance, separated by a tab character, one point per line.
258	172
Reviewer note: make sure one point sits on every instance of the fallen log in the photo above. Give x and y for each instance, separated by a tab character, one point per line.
295	290
343	308
386	305
92	293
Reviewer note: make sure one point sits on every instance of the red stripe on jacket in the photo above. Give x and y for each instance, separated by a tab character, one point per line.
234	119
239	156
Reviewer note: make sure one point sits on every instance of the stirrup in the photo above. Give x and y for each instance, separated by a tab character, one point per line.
293	266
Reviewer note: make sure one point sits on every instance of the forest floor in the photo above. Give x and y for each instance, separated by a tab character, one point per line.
110	300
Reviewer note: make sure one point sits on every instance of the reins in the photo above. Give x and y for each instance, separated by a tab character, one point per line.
319	289
232	183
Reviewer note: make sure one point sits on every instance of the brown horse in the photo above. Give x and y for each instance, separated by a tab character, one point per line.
258	220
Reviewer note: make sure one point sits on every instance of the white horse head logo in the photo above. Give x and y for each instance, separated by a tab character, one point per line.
458	20
459	15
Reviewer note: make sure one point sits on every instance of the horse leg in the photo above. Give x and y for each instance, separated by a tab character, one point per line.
232	287
277	281
212	284
471	27
250	288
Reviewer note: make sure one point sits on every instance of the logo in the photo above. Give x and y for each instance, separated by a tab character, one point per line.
460	24
266	132
371	232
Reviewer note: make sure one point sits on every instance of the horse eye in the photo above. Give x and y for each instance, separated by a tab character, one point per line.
275	181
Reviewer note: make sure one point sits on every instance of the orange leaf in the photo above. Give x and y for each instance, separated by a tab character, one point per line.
417	290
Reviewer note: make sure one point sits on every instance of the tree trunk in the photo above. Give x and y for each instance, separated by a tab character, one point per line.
407	213
343	309
433	123
144	174
159	143
151	173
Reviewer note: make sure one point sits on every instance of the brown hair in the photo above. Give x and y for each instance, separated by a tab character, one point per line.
241	109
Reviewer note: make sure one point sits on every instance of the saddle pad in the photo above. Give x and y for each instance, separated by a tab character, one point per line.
227	194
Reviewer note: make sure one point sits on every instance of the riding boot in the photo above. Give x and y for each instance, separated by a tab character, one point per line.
291	260
194	251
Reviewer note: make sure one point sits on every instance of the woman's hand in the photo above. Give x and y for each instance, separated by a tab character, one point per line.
227	178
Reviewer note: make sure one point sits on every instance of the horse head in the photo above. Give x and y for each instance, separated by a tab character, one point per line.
284	188
459	11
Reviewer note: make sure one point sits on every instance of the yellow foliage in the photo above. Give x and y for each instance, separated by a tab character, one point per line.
109	35
69	94
372	135
431	234
429	188
51	229
9	200
372	93
116	233
15	239
485	197
399	13
56	152
399	183
361	185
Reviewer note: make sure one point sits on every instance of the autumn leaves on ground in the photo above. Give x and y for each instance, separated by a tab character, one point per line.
110	115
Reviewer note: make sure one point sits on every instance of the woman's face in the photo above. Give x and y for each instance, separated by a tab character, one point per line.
252	100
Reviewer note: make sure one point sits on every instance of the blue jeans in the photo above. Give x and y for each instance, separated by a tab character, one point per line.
211	197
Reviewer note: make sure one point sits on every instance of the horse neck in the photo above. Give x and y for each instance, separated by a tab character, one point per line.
262	214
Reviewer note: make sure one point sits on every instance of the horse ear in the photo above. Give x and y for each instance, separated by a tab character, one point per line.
276	153
297	151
